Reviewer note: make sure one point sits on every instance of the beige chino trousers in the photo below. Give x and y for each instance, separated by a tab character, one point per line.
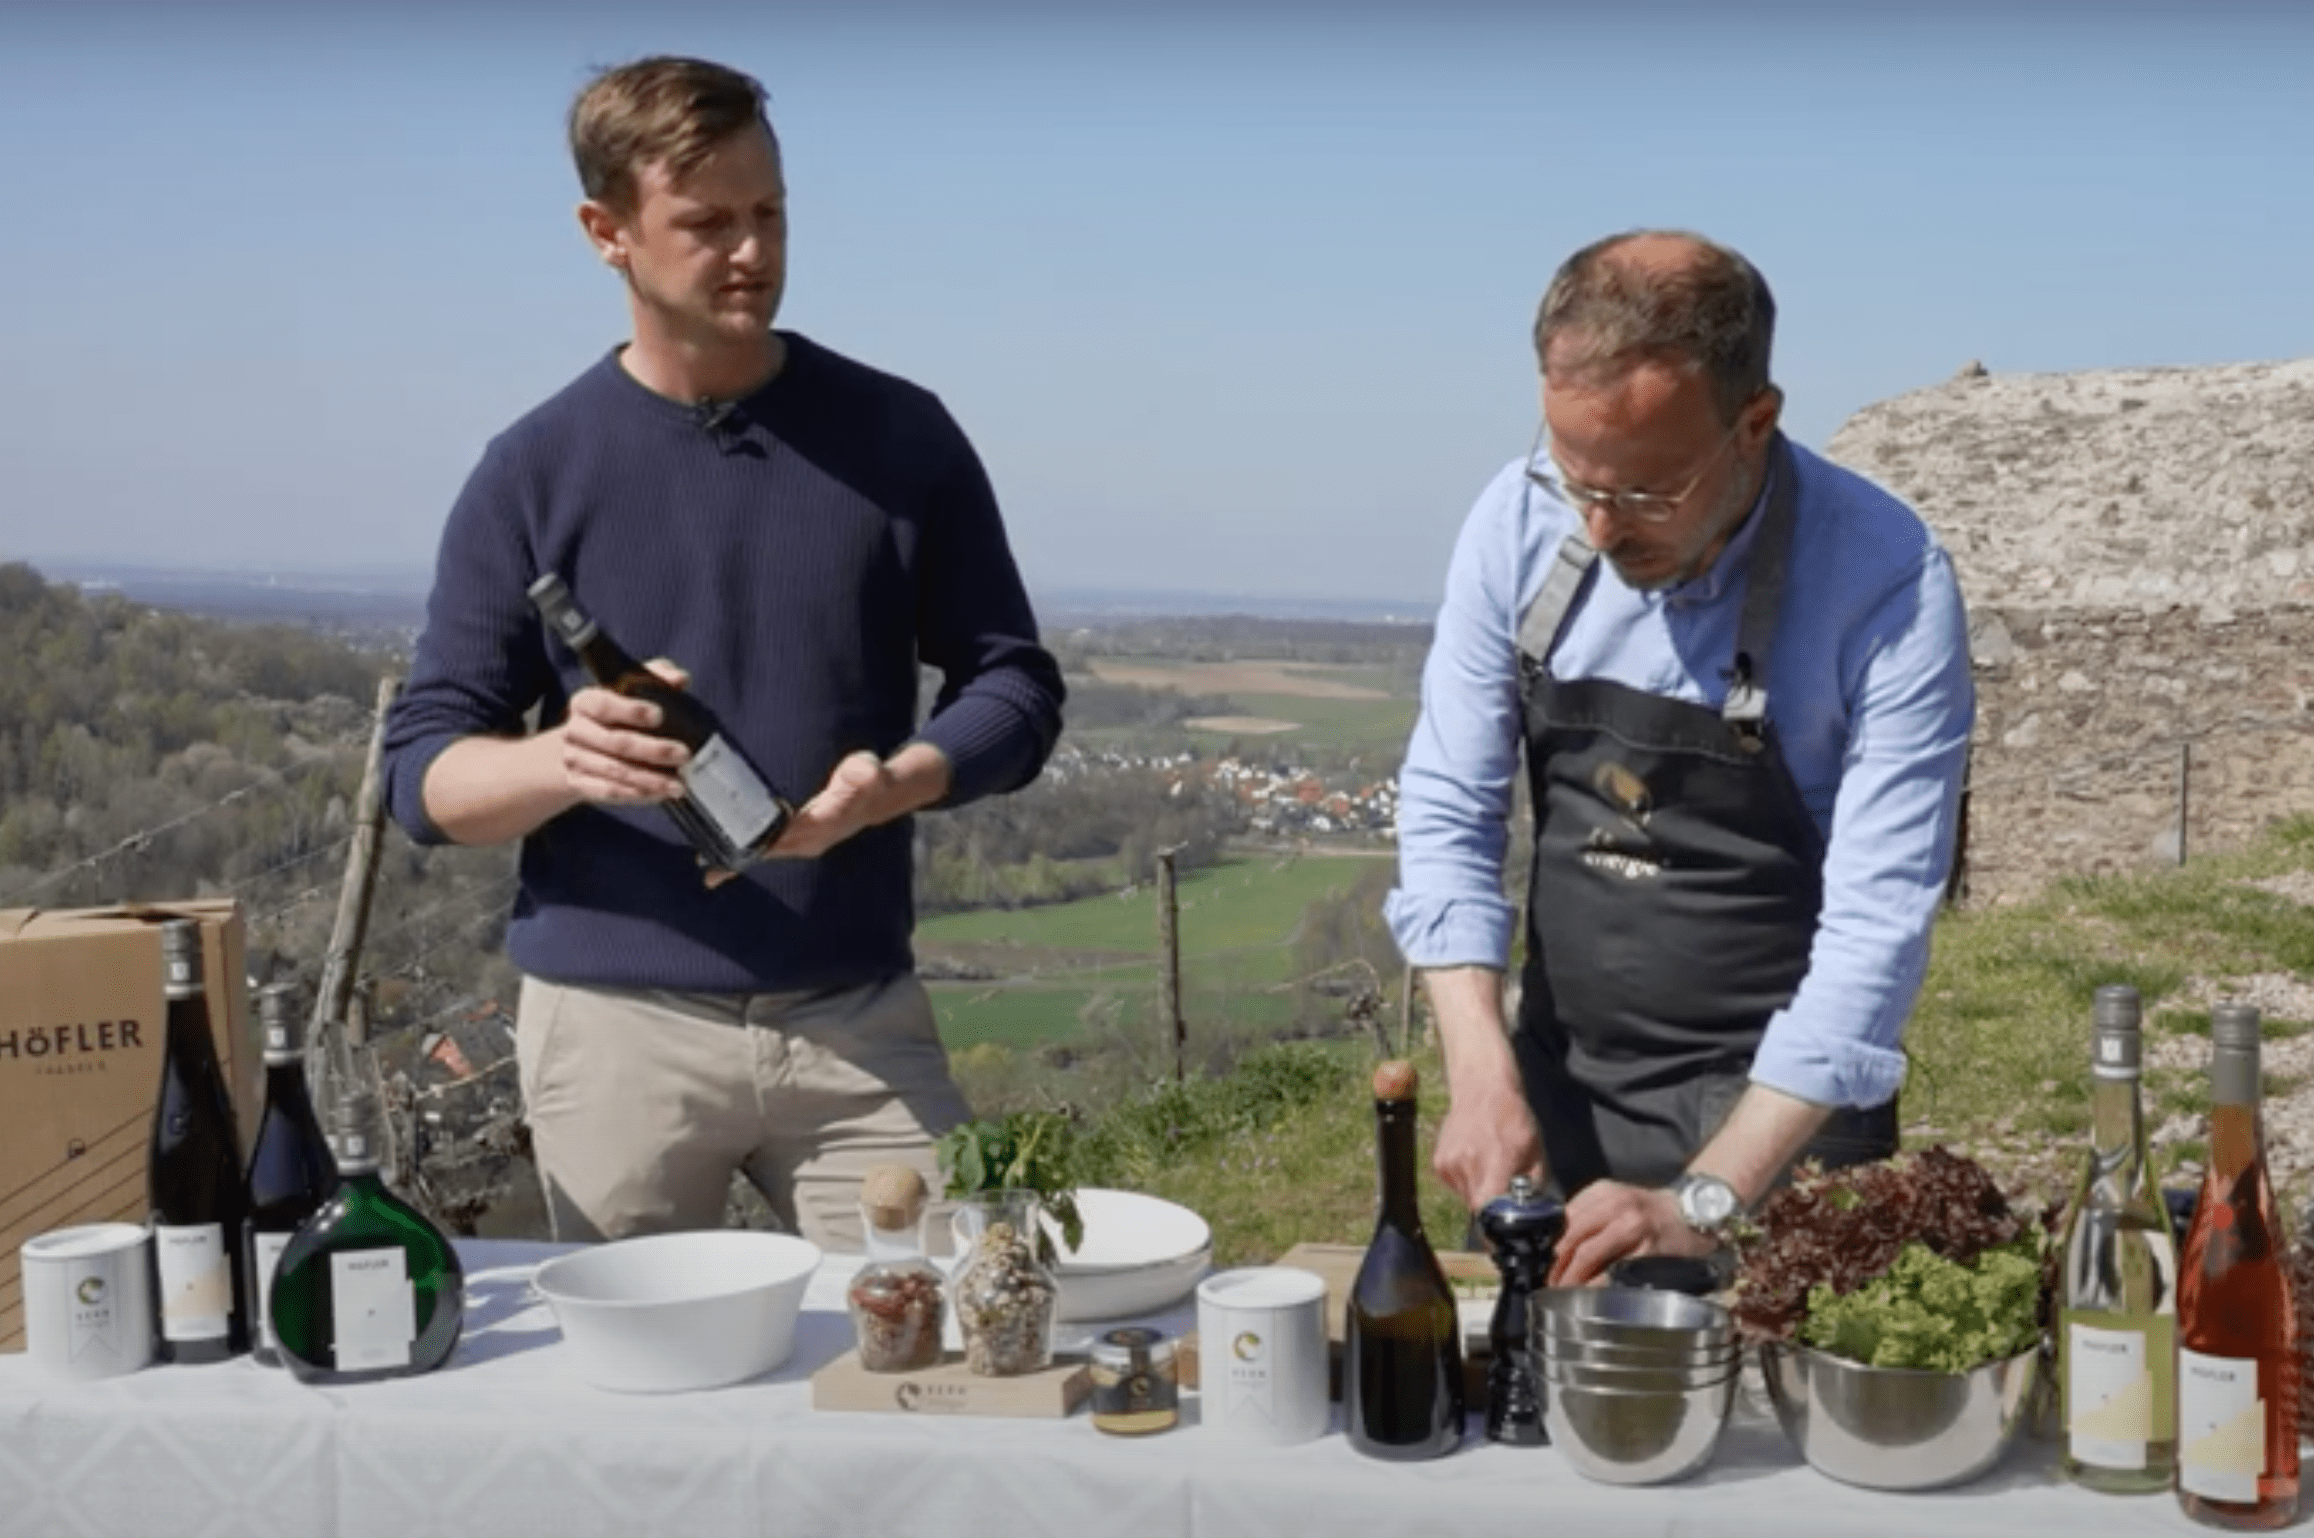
642	1103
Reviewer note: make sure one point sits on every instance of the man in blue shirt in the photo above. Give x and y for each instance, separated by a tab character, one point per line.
1745	731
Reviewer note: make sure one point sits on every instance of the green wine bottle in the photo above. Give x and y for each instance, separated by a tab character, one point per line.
368	1288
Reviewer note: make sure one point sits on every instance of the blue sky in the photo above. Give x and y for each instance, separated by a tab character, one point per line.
1231	298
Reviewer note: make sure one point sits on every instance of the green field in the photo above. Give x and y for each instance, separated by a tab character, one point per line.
1377	727
1069	967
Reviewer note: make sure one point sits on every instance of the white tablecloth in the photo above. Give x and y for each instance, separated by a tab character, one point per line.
506	1441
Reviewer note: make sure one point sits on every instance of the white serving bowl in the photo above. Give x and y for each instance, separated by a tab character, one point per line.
667	1313
1140	1255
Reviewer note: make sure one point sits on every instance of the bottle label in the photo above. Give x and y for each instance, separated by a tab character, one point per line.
196	1281
2117	1387
265	1250
2221	1447
373	1309
731	794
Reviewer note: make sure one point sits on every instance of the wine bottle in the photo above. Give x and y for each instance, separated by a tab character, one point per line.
193	1174
2117	1298
2237	1389
291	1172
368	1288
1402	1352
728	810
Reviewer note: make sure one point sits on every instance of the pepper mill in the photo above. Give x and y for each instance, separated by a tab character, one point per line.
1524	1231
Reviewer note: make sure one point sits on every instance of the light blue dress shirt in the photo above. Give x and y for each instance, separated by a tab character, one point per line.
1870	699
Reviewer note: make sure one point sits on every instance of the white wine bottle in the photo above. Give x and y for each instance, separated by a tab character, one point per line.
1402	1348
2117	1299
291	1172
193	1174
728	810
368	1288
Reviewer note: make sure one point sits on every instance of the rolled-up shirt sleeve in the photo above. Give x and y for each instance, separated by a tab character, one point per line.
1889	851
1455	786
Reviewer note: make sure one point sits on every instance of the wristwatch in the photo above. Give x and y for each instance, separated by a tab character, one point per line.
1707	1203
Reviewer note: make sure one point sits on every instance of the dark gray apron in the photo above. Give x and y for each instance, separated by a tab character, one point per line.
1677	879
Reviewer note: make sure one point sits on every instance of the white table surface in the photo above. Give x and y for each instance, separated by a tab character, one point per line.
508	1441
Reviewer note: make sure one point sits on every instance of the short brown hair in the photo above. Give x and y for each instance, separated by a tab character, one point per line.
657	109
1713	312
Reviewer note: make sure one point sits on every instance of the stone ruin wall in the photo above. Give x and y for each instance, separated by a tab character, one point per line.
2080	716
2136	548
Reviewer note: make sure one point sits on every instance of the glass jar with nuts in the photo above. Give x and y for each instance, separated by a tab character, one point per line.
896	1301
1004	1296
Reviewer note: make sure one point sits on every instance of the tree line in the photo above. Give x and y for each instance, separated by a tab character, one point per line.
147	756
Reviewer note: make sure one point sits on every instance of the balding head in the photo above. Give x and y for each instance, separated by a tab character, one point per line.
1661	296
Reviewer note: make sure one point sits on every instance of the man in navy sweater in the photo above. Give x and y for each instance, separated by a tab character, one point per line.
790	532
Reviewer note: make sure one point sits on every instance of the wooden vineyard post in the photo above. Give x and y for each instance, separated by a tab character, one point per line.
2184	779
332	998
1169	973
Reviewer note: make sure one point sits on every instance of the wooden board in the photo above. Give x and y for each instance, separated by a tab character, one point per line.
1337	1265
952	1389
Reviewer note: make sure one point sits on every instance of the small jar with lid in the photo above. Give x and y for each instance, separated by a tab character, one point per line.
897	1301
1136	1387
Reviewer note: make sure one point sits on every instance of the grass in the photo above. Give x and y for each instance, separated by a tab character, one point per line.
1374	727
1071	968
1998	1038
1279	1152
1998	1046
1226	907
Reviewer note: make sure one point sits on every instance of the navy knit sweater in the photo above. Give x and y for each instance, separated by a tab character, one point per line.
797	555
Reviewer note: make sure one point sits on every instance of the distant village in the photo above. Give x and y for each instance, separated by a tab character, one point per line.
1279	800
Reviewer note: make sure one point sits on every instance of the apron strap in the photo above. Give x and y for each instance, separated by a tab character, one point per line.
1746	707
1539	627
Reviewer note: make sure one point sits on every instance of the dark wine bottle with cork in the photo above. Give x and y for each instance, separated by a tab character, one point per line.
1402	1353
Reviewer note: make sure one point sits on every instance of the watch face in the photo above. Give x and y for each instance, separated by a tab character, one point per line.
1706	1203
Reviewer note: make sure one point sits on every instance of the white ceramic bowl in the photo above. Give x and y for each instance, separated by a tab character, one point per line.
1140	1255
671	1312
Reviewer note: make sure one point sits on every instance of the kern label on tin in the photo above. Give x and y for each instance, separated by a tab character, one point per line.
2221	1425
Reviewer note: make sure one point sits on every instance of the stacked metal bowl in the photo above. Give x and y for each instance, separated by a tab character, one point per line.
1637	1383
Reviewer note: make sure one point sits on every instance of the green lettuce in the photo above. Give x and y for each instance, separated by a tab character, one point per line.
1927	1312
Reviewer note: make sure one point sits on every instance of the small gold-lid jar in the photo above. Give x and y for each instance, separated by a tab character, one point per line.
1136	1387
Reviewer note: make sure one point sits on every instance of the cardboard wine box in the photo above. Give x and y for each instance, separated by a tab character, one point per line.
82	1024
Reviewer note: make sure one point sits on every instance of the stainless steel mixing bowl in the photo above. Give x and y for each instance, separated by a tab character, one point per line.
1896	1428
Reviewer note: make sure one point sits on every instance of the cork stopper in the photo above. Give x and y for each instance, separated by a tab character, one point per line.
892	1197
1395	1080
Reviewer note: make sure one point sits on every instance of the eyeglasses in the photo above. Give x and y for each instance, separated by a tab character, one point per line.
1646	506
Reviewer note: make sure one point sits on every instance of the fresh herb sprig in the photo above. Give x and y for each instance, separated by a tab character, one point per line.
1025	1150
